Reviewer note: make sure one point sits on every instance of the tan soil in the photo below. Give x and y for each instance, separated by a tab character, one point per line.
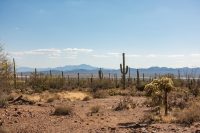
39	118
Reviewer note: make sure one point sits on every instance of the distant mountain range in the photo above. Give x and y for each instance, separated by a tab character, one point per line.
87	69
64	68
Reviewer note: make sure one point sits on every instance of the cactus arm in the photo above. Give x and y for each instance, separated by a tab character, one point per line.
126	70
121	68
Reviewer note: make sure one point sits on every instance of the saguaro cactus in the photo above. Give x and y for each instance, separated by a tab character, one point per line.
68	79
179	75
35	73
78	79
62	75
138	78
100	74
143	77
115	77
14	75
50	73
21	76
124	71
129	76
91	79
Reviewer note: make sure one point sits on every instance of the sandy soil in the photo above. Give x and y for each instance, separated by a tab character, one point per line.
39	118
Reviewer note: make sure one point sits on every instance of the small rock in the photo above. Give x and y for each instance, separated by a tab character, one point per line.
19	113
144	130
112	128
15	115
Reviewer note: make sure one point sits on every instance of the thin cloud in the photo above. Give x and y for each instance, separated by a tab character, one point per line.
195	55
52	52
114	54
133	55
78	50
152	56
100	56
175	55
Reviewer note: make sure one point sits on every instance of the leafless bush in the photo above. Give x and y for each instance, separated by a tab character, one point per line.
125	103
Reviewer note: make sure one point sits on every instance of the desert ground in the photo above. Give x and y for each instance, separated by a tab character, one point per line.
38	116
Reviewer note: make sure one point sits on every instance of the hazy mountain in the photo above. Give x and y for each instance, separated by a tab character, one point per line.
64	68
87	69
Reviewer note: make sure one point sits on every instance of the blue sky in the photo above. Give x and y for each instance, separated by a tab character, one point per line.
41	33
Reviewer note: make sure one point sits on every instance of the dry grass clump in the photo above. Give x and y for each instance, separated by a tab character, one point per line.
50	100
87	98
125	103
63	110
3	100
100	94
189	115
95	109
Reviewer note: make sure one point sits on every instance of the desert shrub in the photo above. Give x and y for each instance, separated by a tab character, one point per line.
55	82
102	84
38	84
178	82
125	103
189	115
150	118
100	94
95	109
114	92
158	91
50	100
87	98
3	103
63	110
134	92
141	86
178	98
5	72
4	100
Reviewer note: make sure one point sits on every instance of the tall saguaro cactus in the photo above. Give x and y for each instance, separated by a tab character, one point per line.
138	78
62	75
124	71
129	76
115	78
100	74
91	79
35	73
14	75
50	73
78	79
